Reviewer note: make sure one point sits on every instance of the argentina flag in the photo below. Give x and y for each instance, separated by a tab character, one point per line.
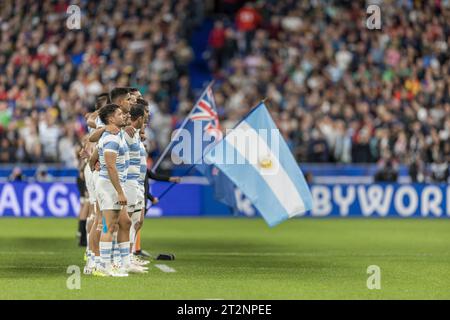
255	157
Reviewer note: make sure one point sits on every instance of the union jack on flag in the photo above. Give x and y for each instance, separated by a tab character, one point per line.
205	110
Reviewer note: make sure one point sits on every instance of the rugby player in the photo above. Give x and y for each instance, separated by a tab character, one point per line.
94	225
143	184
84	205
113	156
132	186
122	98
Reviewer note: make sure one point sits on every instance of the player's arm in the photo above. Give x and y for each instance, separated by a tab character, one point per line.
93	159
81	169
152	198
97	134
162	177
110	160
129	136
130	131
148	195
90	120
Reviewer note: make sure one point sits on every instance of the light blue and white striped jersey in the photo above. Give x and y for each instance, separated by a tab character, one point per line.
143	167
114	143
135	156
98	123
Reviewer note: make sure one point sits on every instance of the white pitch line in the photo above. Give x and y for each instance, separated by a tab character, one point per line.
165	268
32	252
22	267
306	254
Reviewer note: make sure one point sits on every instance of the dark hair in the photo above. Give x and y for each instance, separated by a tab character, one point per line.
101	100
130	89
143	102
118	93
136	111
106	111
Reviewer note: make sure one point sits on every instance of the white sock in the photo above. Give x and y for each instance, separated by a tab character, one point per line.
105	255
91	259
125	254
98	261
115	257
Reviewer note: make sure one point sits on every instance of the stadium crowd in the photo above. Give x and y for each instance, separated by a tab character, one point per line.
50	75
338	91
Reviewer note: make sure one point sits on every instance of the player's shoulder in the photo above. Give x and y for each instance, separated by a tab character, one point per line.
110	137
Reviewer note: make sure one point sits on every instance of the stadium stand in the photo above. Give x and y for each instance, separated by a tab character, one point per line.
338	91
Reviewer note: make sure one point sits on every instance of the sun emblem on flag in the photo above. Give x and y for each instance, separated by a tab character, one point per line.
266	163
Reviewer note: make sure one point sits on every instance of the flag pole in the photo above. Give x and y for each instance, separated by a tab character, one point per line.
160	159
173	184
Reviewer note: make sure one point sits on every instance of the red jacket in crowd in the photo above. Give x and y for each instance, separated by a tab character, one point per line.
247	19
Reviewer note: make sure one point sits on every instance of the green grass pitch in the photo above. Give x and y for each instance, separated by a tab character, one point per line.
238	258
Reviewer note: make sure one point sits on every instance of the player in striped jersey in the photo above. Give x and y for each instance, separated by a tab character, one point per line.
143	194
137	113
122	98
113	157
91	171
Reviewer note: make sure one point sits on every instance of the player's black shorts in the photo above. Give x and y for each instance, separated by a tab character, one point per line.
81	187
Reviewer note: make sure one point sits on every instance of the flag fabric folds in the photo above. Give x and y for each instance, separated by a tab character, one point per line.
263	169
203	120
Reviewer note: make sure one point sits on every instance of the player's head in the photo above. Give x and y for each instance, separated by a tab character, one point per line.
121	97
142	101
147	110
137	114
112	114
101	100
135	93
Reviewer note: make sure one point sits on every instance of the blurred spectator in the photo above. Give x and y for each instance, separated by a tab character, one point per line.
318	148
440	170
417	171
42	174
16	175
387	169
49	133
247	20
216	41
6	151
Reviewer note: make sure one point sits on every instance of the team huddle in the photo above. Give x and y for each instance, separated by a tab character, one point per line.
115	176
